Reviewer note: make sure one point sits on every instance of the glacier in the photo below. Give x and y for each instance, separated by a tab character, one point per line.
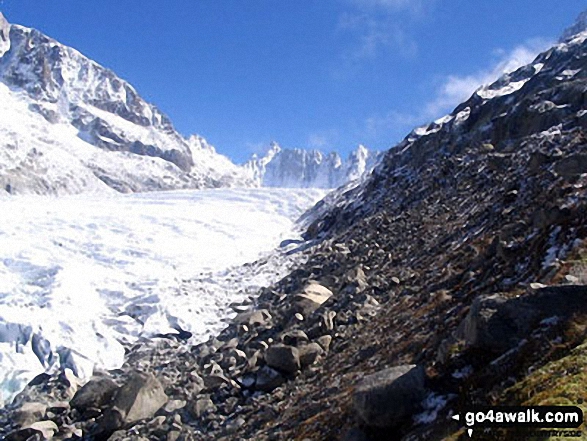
83	277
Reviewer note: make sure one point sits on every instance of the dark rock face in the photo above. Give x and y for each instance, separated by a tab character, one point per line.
389	397
496	323
572	165
95	393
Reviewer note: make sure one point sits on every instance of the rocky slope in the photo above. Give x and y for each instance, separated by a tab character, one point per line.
297	168
70	125
454	275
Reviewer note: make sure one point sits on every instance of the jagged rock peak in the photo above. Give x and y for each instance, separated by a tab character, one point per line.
576	28
309	168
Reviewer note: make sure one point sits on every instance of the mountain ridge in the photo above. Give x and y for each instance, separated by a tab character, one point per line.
96	107
300	168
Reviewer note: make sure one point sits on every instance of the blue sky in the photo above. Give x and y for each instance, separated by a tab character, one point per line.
326	74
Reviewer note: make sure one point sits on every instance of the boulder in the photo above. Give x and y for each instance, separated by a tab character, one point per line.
262	317
496	324
296	337
140	398
572	165
42	430
311	298
268	379
46	428
324	341
390	397
95	393
29	413
214	381
309	353
284	358
202	406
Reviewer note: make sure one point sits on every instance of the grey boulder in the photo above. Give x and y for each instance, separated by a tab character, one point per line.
389	397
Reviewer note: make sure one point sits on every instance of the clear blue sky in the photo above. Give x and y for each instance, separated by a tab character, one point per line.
306	73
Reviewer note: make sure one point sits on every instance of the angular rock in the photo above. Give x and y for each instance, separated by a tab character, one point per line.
29	413
172	406
42	430
214	381
95	393
283	358
390	397
140	398
312	297
294	338
495	324
268	379
46	428
261	317
572	165
324	341
202	406
309	353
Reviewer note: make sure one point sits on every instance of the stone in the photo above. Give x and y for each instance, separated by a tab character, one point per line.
261	317
571	165
41	430
268	379
46	428
356	277
202	406
95	393
324	341
173	435
311	298
309	353
70	380
140	398
494	324
389	397
24	435
283	358
294	338
214	381
29	413
173	405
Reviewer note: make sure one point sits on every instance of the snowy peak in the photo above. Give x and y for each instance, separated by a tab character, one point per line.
298	168
84	120
4	35
576	28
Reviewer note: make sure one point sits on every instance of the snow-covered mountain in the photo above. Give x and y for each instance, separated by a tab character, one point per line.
69	125
297	168
576	28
